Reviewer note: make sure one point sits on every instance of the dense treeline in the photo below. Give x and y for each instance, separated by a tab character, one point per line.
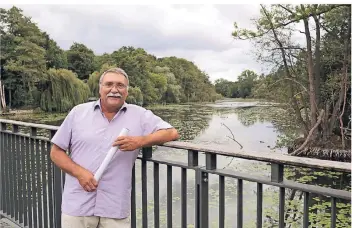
243	87
36	72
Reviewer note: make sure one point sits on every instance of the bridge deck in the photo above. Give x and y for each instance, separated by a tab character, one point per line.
6	223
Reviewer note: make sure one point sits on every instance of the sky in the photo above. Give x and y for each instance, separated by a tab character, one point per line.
198	33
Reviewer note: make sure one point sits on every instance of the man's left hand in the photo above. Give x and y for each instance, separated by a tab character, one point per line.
129	143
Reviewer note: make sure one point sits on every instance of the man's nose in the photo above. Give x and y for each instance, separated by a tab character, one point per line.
114	89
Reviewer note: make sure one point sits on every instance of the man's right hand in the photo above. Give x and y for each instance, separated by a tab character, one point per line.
86	180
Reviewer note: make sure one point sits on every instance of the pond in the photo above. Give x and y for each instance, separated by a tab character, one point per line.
255	126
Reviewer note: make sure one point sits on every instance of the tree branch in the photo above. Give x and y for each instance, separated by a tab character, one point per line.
298	151
294	101
287	9
307	16
233	137
342	112
288	48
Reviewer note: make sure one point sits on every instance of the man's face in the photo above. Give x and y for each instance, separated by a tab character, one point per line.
113	90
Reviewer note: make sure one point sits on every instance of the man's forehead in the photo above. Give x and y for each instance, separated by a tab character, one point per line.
113	76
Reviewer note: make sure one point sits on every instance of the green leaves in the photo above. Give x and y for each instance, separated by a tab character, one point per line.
80	60
61	90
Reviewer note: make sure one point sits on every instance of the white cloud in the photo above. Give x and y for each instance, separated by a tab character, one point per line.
199	33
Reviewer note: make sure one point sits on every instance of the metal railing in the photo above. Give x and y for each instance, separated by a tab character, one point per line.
31	186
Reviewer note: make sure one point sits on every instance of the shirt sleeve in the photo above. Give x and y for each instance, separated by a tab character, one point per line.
152	123
62	137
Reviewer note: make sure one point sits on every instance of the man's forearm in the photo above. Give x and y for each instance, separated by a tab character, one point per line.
160	137
64	162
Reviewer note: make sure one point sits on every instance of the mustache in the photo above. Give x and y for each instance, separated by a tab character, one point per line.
118	95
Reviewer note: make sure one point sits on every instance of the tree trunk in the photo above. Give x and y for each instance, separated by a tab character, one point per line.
317	61
288	75
312	95
10	98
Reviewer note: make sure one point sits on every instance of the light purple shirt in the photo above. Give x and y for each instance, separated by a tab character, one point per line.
89	136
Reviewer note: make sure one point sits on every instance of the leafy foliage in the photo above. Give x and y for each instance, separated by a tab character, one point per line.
243	87
29	57
311	77
62	90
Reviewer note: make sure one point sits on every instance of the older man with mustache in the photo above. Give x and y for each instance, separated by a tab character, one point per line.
89	131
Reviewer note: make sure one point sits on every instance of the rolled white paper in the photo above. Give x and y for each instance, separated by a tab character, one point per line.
108	157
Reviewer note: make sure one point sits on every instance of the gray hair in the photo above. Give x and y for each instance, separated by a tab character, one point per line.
117	71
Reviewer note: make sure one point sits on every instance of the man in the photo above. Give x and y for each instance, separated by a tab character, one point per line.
89	131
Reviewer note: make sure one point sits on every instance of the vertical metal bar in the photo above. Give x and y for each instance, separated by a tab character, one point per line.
169	196
210	161
57	196
21	182
183	197
33	133
333	212
282	208
44	184
221	201
39	183
144	195
306	210
6	174
133	198
197	197
277	175
156	196
146	153
57	191
259	204
24	182
1	172
15	173
50	182
29	183
2	166
204	201
277	172
239	203
12	174
192	158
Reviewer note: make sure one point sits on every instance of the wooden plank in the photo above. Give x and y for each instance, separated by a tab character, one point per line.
264	156
26	124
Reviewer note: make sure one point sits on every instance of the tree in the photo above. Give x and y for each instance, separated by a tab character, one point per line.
55	57
302	66
23	57
61	90
80	60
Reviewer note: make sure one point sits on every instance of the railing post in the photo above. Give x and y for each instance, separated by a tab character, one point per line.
2	168
33	134
203	182
277	175
147	152
193	163
57	189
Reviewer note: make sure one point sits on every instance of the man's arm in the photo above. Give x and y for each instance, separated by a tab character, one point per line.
129	143
65	163
160	137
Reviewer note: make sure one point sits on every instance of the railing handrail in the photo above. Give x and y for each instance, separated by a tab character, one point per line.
277	158
26	124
